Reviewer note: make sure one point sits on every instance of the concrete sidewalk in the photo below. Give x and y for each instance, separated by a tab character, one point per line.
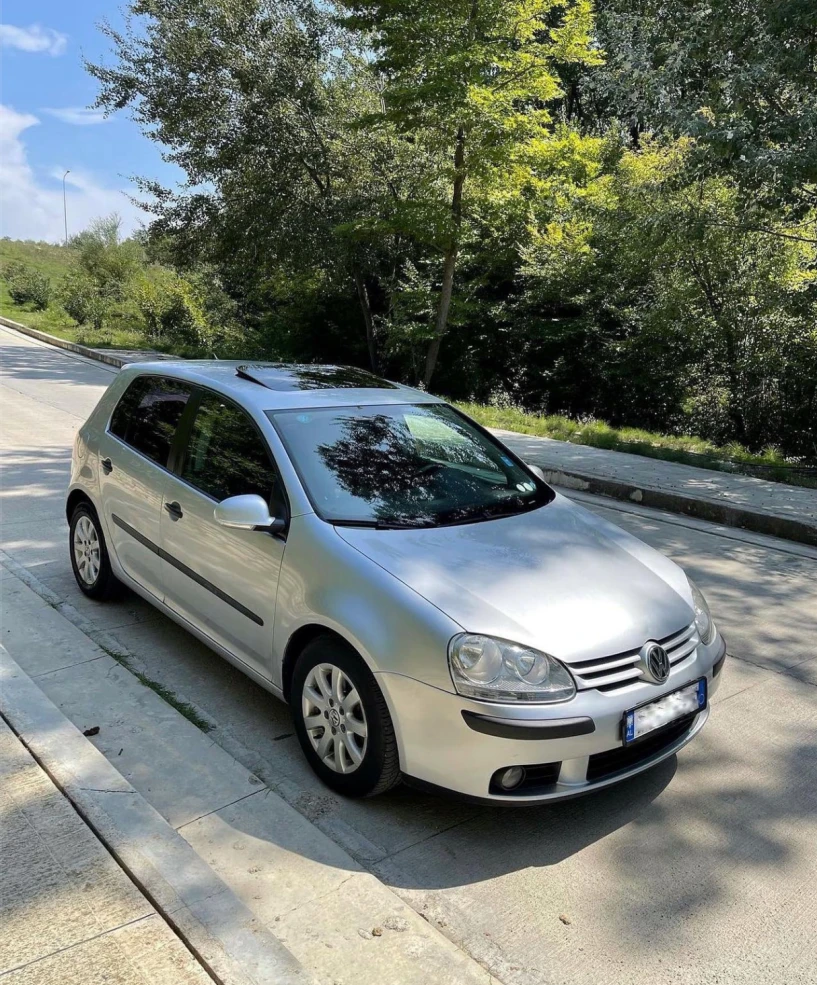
259	892
68	913
772	508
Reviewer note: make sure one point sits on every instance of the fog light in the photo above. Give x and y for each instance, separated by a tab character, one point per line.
511	777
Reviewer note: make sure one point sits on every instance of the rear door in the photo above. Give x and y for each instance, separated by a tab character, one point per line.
133	459
221	579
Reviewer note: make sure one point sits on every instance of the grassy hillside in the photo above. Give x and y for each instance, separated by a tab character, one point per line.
49	259
53	262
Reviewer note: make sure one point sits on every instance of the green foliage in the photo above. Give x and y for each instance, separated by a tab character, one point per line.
83	300
606	214
171	309
473	82
27	285
694	322
105	259
736	75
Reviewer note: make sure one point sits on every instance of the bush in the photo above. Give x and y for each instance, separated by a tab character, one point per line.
27	285
83	300
172	309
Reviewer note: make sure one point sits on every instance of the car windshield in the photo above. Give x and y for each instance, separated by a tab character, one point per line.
404	465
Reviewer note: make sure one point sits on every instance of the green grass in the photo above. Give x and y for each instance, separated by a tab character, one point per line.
183	707
48	259
686	449
54	320
54	262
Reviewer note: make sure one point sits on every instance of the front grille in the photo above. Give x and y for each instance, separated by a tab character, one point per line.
621	669
604	764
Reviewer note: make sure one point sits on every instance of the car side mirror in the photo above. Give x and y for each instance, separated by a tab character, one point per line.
247	513
537	472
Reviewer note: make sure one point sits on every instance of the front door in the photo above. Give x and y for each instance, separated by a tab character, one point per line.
133	459
221	579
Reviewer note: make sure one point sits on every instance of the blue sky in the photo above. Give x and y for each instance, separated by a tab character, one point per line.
45	127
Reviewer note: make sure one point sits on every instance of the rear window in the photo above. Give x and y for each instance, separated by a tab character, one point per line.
148	414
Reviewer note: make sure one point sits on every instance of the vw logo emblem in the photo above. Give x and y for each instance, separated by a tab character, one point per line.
654	660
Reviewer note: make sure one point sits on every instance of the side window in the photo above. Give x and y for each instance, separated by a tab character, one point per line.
226	455
148	414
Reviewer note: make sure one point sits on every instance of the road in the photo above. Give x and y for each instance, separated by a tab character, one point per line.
702	871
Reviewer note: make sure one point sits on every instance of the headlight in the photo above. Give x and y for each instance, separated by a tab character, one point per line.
496	670
703	617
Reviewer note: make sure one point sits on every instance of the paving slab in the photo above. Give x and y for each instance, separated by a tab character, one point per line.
68	912
218	928
163	755
334	916
137	954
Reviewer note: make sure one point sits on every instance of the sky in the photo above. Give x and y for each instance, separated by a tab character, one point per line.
46	126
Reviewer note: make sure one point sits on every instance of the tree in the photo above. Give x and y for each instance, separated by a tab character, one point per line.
739	76
105	258
257	102
473	80
694	324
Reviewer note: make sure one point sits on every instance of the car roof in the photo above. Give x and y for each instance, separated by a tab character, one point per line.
279	386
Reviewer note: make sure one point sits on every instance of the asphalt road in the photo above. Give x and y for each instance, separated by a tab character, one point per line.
702	871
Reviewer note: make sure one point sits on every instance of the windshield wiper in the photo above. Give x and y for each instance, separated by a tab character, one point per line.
405	525
387	524
495	511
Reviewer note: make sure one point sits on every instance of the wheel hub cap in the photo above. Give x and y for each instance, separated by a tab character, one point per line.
334	718
87	551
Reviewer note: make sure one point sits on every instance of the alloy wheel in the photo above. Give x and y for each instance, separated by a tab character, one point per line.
334	718
87	553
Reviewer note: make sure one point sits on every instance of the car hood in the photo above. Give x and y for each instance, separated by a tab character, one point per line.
560	579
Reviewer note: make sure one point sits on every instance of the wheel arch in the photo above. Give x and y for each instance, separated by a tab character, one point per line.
75	497
298	642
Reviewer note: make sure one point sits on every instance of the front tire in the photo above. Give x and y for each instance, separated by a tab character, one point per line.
89	555
342	721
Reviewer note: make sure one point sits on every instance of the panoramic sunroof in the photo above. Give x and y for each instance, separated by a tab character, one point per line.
281	376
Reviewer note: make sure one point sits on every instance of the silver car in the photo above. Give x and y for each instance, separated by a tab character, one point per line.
427	605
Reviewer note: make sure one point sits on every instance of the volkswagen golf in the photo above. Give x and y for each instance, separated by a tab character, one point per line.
427	605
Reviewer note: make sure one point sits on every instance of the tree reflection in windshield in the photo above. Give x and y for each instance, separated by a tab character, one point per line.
374	459
403	464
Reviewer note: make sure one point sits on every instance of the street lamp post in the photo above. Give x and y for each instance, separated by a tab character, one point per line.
65	206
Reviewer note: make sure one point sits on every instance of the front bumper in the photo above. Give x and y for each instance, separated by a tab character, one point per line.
453	743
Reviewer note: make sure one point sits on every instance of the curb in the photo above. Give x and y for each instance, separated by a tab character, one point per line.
232	945
673	502
80	350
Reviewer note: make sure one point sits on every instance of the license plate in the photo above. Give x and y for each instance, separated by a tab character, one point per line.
647	718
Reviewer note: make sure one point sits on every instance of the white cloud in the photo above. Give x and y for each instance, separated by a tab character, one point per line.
31	207
77	115
33	39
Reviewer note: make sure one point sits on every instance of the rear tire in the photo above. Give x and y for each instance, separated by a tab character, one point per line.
342	721
89	555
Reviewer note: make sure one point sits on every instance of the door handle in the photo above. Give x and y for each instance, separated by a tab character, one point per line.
107	466
174	510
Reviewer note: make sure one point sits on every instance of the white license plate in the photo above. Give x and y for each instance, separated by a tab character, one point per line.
649	717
